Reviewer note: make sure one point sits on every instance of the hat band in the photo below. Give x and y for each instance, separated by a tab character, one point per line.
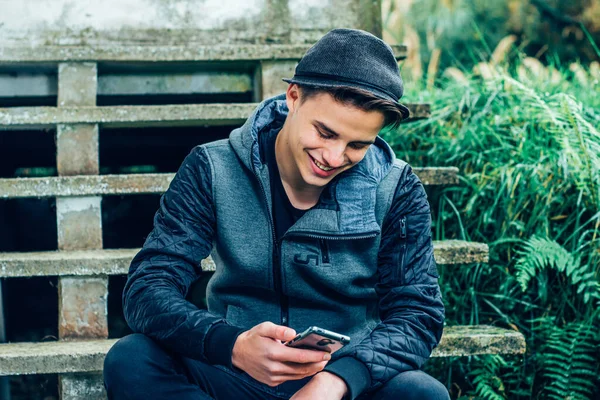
345	80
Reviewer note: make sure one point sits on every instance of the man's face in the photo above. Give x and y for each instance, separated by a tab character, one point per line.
325	137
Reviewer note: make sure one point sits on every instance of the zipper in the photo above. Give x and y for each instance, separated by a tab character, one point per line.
403	228
315	235
324	252
402	248
277	285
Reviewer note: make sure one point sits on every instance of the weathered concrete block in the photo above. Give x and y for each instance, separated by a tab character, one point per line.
460	252
53	357
437	175
73	263
128	116
79	223
90	185
117	261
88	355
369	17
419	111
479	339
209	22
134	116
77	149
162	53
269	78
88	386
82	307
77	84
85	185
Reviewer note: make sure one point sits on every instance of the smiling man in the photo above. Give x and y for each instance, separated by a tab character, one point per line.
311	221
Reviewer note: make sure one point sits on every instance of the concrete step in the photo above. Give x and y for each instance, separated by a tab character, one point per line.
132	82
87	356
465	340
153	54
124	184
213	114
116	261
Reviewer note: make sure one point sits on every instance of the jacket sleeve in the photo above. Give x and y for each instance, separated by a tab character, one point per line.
161	273
410	302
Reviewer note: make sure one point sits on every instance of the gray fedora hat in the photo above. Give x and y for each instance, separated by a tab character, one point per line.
355	58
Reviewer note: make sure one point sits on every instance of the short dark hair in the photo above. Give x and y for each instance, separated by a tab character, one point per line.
359	98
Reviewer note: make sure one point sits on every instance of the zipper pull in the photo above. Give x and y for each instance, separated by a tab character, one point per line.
403	228
324	251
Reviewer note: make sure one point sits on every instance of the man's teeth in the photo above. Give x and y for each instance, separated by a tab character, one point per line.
321	166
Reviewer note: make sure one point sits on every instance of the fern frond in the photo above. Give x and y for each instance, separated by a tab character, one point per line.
568	363
488	384
538	254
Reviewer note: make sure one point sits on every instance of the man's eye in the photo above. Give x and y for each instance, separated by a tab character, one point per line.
358	146
324	136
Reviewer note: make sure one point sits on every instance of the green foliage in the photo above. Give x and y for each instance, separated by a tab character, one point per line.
488	385
528	151
539	254
569	367
465	30
452	25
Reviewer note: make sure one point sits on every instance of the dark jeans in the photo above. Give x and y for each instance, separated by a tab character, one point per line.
137	368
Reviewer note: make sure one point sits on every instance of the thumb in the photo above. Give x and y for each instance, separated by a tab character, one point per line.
278	332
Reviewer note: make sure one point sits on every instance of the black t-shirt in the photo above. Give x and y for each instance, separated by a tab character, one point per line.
284	213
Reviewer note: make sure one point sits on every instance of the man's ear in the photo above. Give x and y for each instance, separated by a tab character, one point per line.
292	97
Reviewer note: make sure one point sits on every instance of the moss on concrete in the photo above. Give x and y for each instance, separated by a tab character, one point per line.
460	252
479	339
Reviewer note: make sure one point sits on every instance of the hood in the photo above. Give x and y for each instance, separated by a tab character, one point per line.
347	206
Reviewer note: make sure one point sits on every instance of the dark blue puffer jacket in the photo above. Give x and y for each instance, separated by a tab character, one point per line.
360	262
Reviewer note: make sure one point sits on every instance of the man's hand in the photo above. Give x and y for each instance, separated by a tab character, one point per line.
325	386
262	355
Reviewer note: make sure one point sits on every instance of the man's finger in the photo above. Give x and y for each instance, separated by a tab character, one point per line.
273	331
301	370
299	356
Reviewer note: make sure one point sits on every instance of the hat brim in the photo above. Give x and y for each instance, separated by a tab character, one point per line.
320	82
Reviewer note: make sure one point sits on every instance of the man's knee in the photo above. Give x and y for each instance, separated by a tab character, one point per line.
129	357
415	385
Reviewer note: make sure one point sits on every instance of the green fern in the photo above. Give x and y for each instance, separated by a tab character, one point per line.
539	254
488	385
570	362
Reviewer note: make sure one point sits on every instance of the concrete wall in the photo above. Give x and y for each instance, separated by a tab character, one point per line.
158	22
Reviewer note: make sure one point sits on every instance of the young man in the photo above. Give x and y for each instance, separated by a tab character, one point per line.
310	221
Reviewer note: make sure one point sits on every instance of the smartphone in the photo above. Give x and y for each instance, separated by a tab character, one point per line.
315	338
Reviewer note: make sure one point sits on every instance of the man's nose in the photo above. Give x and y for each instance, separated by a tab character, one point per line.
335	156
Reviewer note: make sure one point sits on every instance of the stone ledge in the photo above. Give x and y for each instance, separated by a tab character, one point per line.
53	357
126	184
56	54
73	263
430	176
87	356
479	339
117	261
127	116
144	116
460	252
